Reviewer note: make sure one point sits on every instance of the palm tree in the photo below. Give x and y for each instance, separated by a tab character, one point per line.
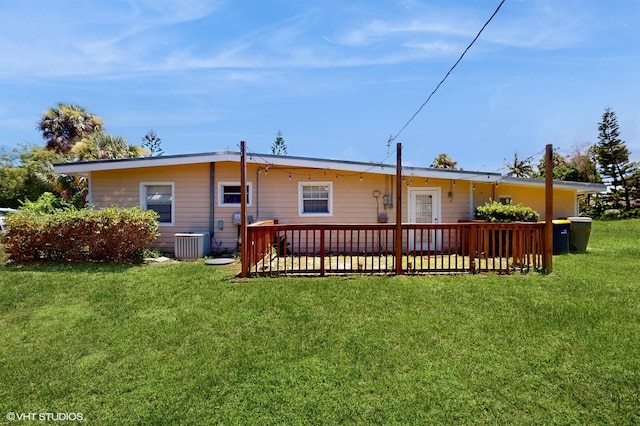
101	146
66	124
443	161
519	168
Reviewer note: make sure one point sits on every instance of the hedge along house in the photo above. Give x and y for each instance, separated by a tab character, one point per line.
201	193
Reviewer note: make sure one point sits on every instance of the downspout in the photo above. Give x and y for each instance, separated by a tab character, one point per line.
471	200
212	183
257	194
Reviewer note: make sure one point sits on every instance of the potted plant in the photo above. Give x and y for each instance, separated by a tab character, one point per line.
495	212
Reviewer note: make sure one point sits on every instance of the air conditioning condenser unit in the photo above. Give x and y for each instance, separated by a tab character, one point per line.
191	246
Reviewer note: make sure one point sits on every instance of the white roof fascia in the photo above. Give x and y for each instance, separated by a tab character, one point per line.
580	187
378	168
83	168
134	163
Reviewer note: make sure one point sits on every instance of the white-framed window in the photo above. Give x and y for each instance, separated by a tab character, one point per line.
315	198
505	199
229	194
159	197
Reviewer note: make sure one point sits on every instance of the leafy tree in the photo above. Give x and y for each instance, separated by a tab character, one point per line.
25	174
562	169
578	166
583	159
520	168
613	157
66	124
443	161
279	147
151	141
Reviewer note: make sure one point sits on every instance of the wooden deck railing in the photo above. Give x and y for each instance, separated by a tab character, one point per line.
369	249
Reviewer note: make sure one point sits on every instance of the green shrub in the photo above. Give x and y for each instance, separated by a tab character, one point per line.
632	213
47	203
80	235
498	212
611	214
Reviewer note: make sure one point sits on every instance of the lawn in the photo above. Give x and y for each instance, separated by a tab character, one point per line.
192	344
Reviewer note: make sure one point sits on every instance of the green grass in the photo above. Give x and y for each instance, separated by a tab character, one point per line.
192	344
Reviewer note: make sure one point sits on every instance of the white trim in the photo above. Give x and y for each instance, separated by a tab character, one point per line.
437	215
472	194
580	187
273	161
143	199
84	167
436	235
135	163
221	202
301	186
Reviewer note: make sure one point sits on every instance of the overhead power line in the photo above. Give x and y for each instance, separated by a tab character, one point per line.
391	139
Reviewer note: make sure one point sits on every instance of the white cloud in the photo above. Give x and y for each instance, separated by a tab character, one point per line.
67	38
380	30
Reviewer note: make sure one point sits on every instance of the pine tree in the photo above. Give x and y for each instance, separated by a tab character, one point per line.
613	156
279	146
151	141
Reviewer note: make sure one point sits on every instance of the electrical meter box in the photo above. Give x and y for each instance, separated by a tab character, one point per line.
235	218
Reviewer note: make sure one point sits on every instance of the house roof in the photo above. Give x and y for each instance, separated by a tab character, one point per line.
580	187
283	162
270	160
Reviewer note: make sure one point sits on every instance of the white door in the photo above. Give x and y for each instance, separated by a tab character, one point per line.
424	207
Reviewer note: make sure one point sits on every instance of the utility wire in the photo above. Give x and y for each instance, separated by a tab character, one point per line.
391	139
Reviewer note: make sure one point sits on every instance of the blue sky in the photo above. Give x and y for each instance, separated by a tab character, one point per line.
338	78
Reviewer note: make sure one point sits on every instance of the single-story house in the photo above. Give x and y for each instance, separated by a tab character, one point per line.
200	193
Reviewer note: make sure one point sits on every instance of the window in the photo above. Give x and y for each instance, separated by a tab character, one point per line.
505	199
159	197
315	198
229	194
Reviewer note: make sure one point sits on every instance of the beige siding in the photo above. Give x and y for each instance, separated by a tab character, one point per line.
275	195
455	199
191	187
564	200
483	193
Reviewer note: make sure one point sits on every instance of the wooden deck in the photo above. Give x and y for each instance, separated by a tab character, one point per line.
322	249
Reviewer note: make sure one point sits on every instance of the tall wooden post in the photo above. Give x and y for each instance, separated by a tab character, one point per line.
398	247
244	244
548	223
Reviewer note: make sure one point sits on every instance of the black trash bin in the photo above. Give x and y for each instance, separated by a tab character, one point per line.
580	232
561	229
